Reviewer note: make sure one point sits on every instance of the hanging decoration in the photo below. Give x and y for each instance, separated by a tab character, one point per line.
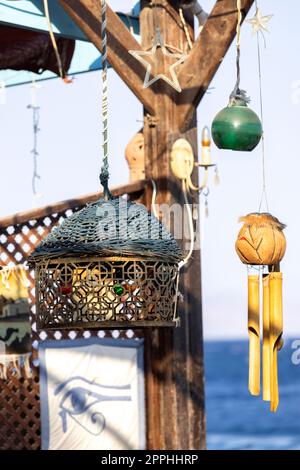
160	54
15	345
261	242
36	129
155	69
110	265
237	127
261	245
259	22
183	164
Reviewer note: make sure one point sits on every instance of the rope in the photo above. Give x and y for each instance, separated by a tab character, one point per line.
104	175
238	95
185	28
53	40
264	186
239	21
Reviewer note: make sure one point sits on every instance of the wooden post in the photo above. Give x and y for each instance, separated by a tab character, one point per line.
173	357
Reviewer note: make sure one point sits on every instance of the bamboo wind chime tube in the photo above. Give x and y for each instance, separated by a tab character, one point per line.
254	336
266	338
276	327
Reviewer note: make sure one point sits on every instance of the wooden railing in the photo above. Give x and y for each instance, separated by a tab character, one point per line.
20	426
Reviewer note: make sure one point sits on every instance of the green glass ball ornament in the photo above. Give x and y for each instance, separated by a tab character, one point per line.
236	127
118	289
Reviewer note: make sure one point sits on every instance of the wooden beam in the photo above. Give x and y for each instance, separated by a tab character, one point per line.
86	14
206	56
42	212
173	356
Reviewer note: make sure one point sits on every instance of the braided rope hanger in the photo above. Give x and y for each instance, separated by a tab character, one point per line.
104	175
238	95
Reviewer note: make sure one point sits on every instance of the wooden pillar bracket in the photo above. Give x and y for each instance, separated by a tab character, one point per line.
87	15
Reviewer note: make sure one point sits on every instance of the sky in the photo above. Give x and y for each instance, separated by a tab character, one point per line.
69	146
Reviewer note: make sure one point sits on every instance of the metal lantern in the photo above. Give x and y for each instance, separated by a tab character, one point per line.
110	265
236	127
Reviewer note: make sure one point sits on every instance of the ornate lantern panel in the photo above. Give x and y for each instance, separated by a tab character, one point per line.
94	293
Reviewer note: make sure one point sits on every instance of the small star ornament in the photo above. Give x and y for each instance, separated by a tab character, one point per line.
151	60
259	22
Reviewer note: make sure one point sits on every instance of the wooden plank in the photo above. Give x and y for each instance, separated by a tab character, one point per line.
173	357
41	212
86	13
206	56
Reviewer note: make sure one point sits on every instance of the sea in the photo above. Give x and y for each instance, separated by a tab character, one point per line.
235	419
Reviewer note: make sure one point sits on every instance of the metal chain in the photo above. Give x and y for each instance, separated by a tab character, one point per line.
104	175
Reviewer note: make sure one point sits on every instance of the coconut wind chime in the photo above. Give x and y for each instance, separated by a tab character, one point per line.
110	265
261	243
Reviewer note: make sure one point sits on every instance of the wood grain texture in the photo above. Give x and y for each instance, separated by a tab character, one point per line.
173	357
86	14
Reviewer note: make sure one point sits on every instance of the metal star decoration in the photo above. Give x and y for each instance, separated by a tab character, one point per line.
259	22
153	60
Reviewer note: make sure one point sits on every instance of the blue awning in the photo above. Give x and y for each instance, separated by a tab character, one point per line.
30	15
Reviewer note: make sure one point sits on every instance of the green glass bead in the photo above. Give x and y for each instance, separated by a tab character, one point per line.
118	289
236	127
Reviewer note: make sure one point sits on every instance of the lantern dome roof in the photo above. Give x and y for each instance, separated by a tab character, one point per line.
116	227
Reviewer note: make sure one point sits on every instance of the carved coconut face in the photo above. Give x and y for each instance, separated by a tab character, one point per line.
261	240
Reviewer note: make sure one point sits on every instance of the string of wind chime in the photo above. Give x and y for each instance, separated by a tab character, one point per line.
261	245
